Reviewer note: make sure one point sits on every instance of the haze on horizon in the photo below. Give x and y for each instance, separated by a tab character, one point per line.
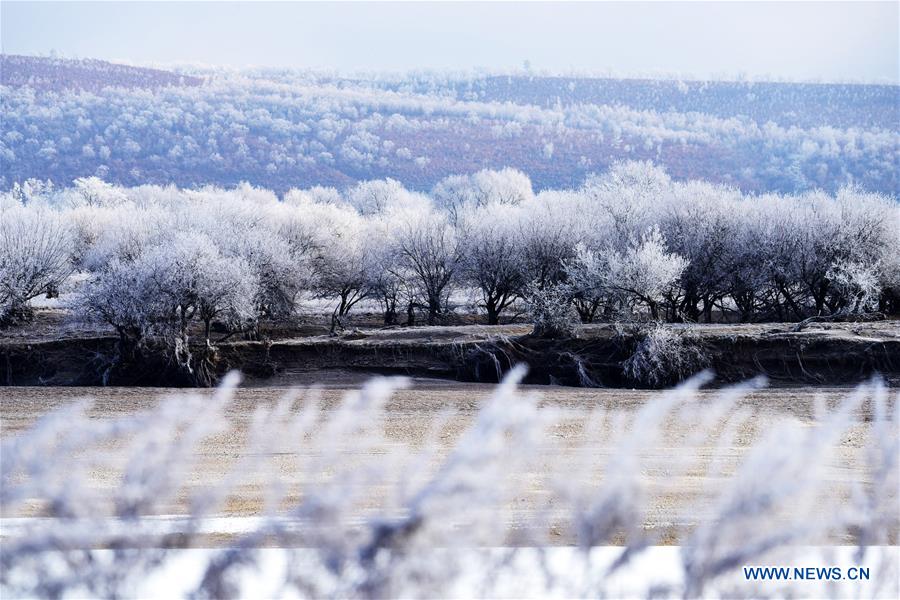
807	41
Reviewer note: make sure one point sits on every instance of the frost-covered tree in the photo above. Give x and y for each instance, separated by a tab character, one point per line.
193	281
315	195
549	232
429	252
867	233
588	275
164	291
506	186
641	274
390	282
746	277
226	292
699	225
93	191
123	233
889	274
645	270
630	195
379	196
121	295
344	266
31	189
35	256
491	257
803	238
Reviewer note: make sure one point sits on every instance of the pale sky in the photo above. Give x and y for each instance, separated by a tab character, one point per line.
830	41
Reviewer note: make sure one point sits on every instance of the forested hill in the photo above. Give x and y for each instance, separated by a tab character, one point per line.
63	119
57	75
787	104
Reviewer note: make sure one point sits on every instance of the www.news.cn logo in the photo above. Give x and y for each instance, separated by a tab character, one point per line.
805	573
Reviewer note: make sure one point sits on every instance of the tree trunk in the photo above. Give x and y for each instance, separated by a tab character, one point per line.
434	308
707	309
654	310
493	315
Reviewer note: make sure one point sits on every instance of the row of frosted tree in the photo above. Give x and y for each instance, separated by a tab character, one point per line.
628	244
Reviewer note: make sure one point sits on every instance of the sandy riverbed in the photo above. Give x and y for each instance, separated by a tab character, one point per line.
678	495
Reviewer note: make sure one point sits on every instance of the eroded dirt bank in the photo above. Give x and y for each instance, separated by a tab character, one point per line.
838	353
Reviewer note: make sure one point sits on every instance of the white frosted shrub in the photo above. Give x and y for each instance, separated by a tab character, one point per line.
663	356
857	286
551	310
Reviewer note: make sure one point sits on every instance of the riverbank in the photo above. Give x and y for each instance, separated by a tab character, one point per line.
820	353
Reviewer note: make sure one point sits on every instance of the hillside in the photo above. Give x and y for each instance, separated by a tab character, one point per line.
786	104
58	75
290	128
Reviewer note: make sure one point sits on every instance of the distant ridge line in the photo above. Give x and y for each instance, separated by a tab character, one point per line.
88	74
